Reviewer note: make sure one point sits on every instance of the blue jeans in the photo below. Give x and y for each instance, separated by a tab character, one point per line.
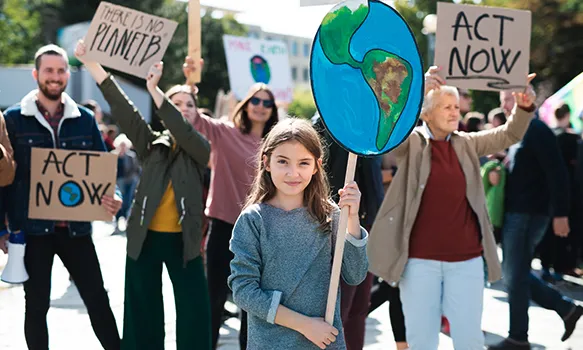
520	235
127	188
431	288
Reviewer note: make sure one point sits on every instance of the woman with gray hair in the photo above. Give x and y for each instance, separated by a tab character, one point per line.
432	232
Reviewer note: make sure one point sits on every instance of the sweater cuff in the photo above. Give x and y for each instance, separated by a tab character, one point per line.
275	301
358	242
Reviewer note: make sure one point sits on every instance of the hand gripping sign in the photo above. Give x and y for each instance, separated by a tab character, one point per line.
368	88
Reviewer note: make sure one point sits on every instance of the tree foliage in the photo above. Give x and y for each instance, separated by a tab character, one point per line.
303	105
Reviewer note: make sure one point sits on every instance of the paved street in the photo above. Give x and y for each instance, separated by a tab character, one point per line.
69	325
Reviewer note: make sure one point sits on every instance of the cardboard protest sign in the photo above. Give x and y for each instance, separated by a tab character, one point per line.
68	185
194	40
127	40
317	2
483	48
252	61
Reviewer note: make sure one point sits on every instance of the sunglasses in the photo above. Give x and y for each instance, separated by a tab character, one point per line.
255	101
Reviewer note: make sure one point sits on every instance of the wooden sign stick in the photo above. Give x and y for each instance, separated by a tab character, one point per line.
194	44
339	249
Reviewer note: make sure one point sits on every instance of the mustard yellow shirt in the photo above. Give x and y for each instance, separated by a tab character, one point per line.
166	218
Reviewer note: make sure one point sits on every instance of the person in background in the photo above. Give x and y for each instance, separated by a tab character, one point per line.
561	253
128	175
537	195
465	106
234	146
164	226
354	299
432	232
49	118
94	107
7	168
497	117
474	121
105	132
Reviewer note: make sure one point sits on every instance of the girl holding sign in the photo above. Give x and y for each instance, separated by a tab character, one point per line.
283	244
234	146
164	227
434	220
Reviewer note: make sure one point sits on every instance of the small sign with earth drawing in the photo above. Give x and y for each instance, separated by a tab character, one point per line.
251	61
68	184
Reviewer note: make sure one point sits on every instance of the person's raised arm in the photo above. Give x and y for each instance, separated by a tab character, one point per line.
190	140
123	111
212	129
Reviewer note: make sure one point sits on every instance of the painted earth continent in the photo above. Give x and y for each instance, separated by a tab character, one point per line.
366	76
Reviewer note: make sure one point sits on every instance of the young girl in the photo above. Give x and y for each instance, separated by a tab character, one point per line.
283	243
164	227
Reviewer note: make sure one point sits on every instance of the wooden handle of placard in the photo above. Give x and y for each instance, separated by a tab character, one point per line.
194	44
339	249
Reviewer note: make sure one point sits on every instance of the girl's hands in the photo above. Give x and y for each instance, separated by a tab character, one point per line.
154	76
350	196
319	332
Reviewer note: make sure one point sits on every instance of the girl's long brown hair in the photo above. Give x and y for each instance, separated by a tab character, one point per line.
316	194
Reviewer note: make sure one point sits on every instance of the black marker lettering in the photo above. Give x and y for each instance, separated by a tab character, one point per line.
154	42
65	172
473	60
461	16
88	160
502	18
51	158
504	60
478	20
462	66
41	190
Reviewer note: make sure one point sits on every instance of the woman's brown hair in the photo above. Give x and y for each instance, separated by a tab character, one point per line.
240	117
316	194
187	89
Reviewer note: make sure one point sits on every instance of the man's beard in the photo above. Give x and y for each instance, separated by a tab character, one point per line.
43	87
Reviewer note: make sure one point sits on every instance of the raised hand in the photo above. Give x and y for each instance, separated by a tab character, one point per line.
432	80
154	75
80	51
189	67
319	332
525	100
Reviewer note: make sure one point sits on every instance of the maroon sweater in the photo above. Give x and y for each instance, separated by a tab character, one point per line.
446	228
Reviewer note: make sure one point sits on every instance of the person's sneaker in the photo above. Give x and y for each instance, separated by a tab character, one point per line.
571	322
510	344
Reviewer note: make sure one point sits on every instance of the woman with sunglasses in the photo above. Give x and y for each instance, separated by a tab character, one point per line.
234	147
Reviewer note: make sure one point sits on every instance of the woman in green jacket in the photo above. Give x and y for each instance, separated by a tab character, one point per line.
164	227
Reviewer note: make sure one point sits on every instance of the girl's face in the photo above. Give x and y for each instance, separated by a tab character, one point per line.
186	105
260	107
291	167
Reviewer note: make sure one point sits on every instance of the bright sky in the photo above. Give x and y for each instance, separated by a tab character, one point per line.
276	16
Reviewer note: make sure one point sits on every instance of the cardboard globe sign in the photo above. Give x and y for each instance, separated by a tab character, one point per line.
367	81
367	76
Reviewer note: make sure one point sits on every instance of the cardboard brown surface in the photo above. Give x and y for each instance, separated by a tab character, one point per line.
194	40
483	48
127	40
68	185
